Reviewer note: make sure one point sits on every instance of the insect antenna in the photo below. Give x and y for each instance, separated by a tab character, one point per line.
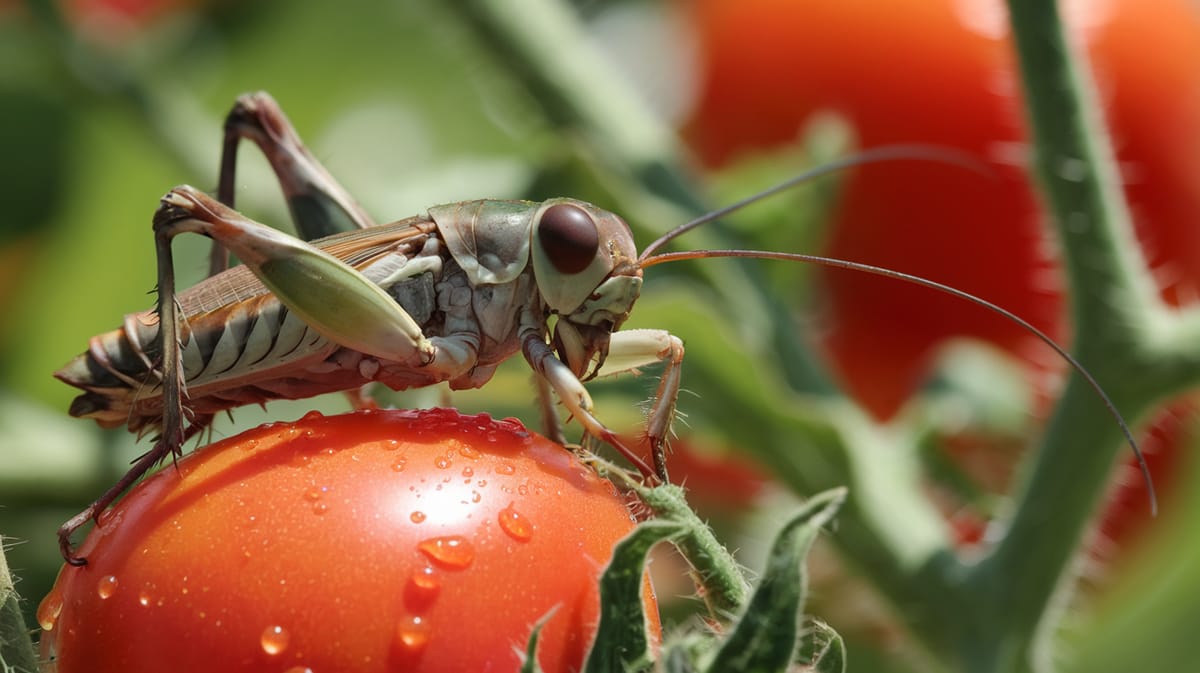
893	152
874	155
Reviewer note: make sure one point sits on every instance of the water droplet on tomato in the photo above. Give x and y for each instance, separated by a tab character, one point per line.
442	462
250	445
468	473
319	508
412	635
391	445
475	497
313	494
399	465
417	516
106	587
468	452
423	587
452	551
49	609
274	640
144	597
515	524
312	416
506	468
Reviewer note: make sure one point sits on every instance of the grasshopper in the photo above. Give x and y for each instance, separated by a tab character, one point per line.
440	297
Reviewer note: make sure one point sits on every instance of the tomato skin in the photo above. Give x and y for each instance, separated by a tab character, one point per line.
942	72
382	541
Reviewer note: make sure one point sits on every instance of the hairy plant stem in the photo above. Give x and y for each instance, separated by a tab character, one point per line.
1118	319
16	648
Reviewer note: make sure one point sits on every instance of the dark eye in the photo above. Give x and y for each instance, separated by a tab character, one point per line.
569	237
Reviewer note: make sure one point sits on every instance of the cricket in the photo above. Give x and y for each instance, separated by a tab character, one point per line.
442	297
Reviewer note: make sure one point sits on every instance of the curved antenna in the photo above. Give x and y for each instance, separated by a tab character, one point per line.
946	289
870	156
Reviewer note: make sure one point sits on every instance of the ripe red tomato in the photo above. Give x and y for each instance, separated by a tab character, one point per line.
384	541
942	72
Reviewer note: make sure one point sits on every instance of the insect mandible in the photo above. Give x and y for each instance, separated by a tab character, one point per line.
440	297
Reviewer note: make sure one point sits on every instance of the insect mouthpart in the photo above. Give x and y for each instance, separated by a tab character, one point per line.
583	348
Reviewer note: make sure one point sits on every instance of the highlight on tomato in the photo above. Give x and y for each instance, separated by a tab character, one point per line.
369	542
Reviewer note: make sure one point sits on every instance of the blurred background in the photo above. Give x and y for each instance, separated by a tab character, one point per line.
106	104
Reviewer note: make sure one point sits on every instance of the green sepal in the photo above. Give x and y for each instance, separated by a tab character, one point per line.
530	662
16	649
724	587
621	642
765	638
823	649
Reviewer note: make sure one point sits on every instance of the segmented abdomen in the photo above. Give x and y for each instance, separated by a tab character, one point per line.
224	351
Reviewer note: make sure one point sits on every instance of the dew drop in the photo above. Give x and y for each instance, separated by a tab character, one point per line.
312	416
442	462
475	497
423	587
417	516
144	598
49	609
468	452
468	473
106	587
250	445
412	635
452	551
399	465
391	445
319	508
313	494
274	640
515	524
506	468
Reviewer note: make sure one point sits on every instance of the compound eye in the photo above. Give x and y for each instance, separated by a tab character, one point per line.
569	237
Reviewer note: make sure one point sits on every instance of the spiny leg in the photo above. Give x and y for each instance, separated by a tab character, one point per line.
329	295
631	349
576	399
319	205
552	426
92	512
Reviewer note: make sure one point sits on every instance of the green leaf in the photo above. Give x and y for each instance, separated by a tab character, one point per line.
765	638
621	642
828	651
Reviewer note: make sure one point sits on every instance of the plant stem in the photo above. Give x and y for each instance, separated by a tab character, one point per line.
16	649
1113	300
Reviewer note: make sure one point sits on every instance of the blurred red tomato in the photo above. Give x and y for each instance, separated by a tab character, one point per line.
942	72
385	541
